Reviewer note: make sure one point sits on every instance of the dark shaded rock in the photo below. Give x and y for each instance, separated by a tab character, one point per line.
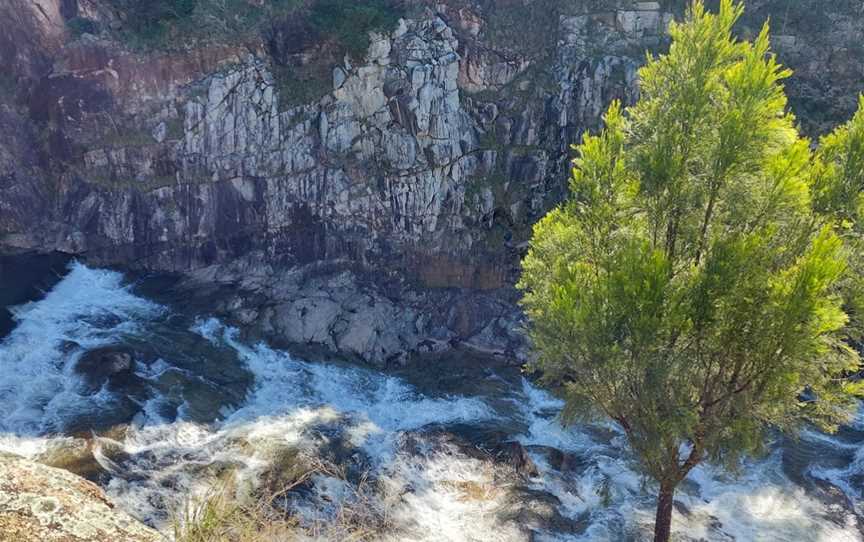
117	411
110	365
538	511
483	443
111	368
560	460
516	456
25	277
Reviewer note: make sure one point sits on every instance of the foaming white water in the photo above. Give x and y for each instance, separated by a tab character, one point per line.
541	412
761	504
290	404
431	495
377	407
848	478
444	495
38	389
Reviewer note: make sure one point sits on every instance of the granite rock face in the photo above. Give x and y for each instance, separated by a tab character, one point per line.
344	308
44	504
404	195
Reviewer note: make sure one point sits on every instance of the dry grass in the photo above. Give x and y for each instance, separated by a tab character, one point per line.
219	517
470	491
362	515
223	515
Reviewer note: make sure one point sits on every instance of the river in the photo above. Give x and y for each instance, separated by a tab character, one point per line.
204	400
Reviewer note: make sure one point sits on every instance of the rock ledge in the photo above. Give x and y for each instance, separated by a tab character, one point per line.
44	504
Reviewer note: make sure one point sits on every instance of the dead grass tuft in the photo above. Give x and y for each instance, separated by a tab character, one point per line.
224	515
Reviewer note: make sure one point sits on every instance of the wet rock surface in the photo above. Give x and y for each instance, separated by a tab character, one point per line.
111	365
515	456
537	512
384	321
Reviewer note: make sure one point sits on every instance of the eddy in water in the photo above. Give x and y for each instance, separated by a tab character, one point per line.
159	407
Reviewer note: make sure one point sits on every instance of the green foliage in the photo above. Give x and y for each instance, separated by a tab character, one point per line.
150	21
840	178
170	24
350	21
838	186
175	24
692	289
82	25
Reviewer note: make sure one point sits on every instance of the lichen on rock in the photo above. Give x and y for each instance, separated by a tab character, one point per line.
45	504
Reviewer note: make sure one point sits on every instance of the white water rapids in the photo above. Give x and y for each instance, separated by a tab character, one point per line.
392	426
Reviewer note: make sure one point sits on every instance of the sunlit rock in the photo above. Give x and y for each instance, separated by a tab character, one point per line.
44	504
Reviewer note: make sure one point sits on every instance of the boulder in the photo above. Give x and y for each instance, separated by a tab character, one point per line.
516	456
537	511
112	365
485	444
560	460
44	504
74	455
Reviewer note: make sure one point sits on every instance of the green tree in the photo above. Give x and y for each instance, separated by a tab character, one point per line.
692	288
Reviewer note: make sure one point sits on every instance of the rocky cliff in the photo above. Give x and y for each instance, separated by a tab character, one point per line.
367	193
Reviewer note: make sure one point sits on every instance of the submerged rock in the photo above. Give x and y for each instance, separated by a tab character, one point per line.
561	460
485	444
516	456
112	365
537	511
43	504
109	368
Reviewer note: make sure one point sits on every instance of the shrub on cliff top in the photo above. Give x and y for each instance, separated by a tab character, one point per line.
169	24
165	24
82	25
351	21
149	19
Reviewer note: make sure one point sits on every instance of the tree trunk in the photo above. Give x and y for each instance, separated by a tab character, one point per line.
663	521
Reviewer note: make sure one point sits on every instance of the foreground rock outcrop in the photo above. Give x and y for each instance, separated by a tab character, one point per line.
44	504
